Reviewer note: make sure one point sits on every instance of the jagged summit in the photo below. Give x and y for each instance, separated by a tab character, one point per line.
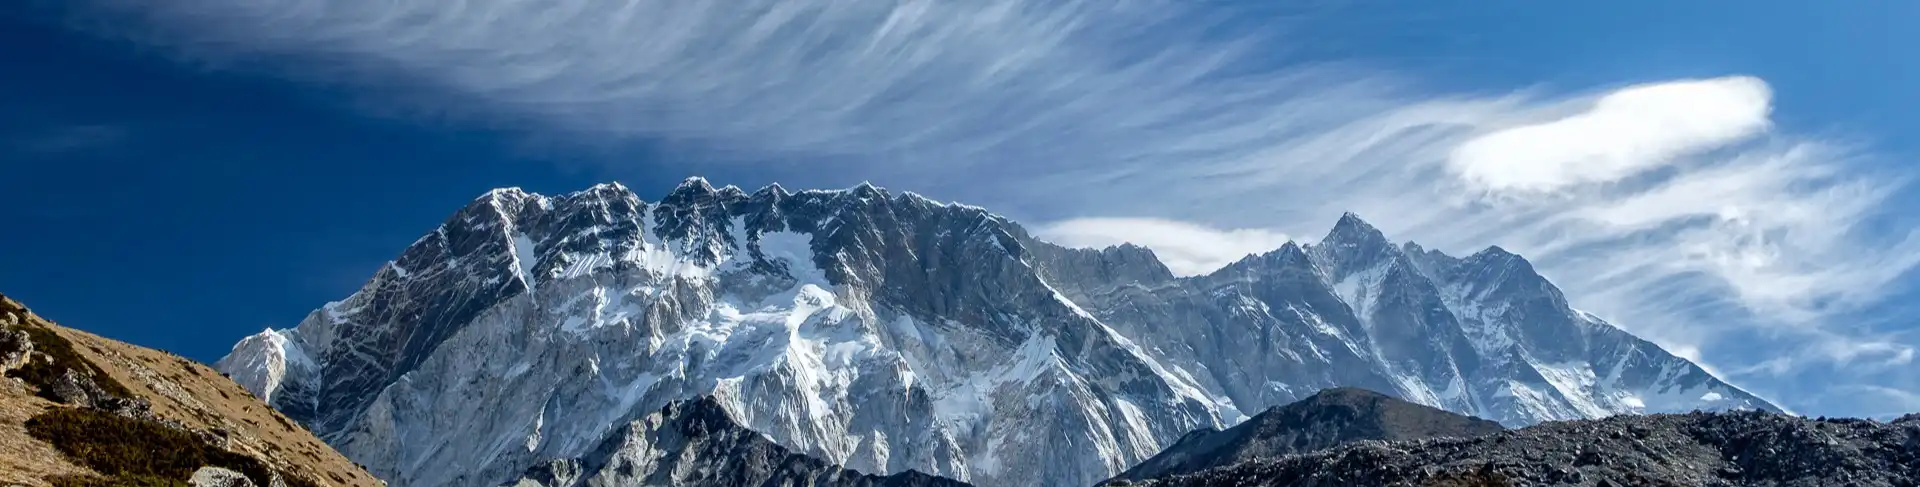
1354	245
609	187
1350	230
696	181
1495	258
1495	251
1351	239
497	192
888	332
918	198
1130	249
1290	255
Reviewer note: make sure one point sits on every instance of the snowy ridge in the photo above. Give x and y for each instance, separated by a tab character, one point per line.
888	332
1482	335
532	326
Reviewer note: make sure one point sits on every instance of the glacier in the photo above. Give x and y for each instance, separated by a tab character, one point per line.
889	332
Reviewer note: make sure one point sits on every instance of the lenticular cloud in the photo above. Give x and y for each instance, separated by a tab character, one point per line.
1626	132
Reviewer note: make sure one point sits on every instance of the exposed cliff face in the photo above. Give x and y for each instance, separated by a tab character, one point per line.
697	444
887	332
1327	419
82	408
1697	449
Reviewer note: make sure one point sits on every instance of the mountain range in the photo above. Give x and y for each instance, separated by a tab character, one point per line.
887	332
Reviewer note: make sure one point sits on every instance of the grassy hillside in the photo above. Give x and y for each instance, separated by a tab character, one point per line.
82	410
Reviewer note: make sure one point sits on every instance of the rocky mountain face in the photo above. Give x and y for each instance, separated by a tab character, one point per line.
1324	420
697	444
1748	448
81	410
887	332
1482	335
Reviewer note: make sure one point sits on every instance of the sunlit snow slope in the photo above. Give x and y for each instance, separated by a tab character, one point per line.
889	332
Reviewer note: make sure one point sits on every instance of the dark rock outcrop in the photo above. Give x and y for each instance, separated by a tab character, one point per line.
1330	418
15	347
79	389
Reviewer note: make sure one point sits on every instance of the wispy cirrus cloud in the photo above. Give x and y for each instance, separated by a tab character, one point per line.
1675	208
1677	212
58	139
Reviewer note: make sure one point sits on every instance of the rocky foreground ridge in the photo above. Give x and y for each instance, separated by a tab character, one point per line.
1746	448
78	410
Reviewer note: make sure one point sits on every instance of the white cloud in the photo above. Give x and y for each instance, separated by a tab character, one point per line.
1691	352
1883	354
1626	132
1187	249
1673	208
1875	401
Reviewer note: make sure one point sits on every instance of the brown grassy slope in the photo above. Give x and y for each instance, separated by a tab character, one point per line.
24	460
181	390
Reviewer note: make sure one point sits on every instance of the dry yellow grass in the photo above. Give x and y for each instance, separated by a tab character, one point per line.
24	460
180	390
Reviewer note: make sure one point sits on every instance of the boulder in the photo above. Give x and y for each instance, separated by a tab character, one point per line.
218	477
15	347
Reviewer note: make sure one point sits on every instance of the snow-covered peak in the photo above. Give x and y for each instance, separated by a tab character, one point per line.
1355	248
1497	256
261	360
1350	230
695	183
507	192
866	189
609	186
1494	251
918	199
607	190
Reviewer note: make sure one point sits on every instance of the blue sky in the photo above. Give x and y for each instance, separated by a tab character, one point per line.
1724	178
